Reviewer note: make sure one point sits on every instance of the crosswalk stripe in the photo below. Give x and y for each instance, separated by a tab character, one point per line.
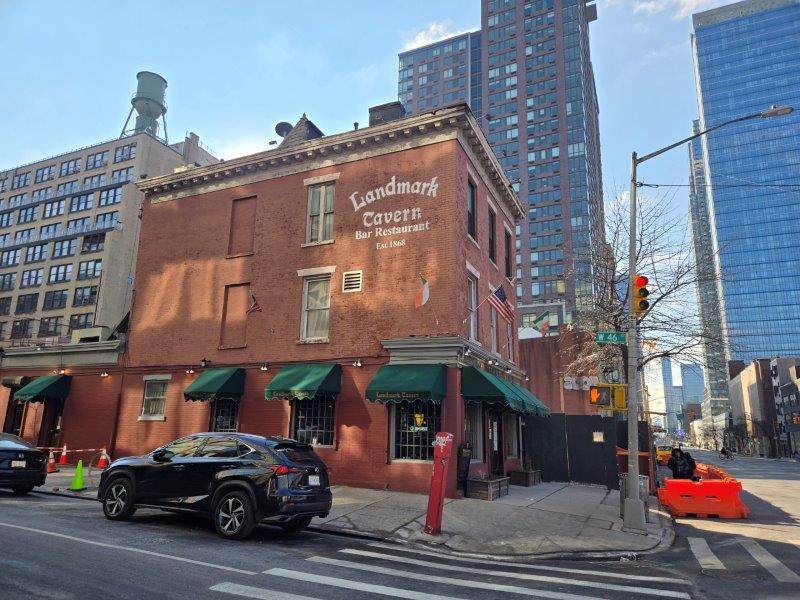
704	555
536	567
524	576
248	591
461	582
776	568
356	585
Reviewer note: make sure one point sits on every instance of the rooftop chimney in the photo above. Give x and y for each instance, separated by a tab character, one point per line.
383	113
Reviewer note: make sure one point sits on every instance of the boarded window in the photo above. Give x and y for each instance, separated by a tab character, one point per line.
243	226
234	316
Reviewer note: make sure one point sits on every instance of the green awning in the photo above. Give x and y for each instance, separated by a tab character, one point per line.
305	380
216	384
43	388
535	405
406	383
480	385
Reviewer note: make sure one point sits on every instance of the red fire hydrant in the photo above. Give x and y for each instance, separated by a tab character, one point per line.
442	450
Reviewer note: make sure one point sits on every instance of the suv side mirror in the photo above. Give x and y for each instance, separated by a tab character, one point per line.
162	455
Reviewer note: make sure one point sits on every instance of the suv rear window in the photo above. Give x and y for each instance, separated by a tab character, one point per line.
13	442
297	452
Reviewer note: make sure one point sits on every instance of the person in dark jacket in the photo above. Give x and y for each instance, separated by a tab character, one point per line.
681	464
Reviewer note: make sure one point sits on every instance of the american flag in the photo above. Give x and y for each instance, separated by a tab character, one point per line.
254	307
499	300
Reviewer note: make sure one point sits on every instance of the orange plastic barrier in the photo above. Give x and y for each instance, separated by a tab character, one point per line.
715	495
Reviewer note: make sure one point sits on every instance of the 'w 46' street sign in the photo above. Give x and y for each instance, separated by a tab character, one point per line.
610	337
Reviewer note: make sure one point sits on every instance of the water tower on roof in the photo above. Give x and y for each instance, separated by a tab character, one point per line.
149	104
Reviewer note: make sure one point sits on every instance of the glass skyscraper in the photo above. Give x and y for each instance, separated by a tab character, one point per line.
528	78
747	58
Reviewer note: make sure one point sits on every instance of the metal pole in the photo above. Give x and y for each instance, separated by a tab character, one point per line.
634	508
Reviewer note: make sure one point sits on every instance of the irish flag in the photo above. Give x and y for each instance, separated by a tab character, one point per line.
423	294
542	322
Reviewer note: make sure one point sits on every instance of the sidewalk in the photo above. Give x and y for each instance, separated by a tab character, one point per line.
546	520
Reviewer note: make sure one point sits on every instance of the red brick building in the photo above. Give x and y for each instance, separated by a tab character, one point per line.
275	294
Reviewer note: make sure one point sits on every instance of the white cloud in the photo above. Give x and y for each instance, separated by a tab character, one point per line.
649	6
679	8
433	32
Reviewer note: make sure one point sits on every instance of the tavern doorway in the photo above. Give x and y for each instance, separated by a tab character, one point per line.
495	418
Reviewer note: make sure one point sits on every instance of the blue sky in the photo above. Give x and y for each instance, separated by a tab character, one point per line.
237	68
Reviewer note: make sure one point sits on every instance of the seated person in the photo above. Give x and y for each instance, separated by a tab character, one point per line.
682	464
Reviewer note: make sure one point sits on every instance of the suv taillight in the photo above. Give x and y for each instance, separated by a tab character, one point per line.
284	470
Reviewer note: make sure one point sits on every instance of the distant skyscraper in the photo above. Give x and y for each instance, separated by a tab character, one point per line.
528	78
663	397
692	384
747	58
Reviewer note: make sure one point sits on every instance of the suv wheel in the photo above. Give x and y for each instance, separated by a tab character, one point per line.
21	490
234	516
296	524
118	499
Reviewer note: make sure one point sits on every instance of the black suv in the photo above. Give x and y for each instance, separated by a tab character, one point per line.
239	479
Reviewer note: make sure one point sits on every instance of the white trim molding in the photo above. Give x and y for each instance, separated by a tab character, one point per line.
473	270
321	179
316	271
158	377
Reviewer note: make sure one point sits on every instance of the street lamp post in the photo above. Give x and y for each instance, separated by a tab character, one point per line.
634	507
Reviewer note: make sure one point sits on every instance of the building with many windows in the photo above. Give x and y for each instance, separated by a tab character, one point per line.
344	290
747	58
528	78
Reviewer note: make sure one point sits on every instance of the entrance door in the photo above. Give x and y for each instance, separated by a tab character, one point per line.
495	442
224	415
14	412
50	431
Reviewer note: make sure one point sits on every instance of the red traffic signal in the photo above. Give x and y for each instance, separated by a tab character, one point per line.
639	294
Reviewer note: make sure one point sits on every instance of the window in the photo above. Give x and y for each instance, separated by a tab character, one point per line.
313	420
17	199
414	428
511	426
78	225
50	326
85	295
237	301
41	194
99	159
22	236
20	180
21	328
493	328
510	341
55	299
243	226
473	428
3	182
122	175
32	278
320	213
82	202
6	219
95	181
67	187
93	243
5	305
472	304
47	232
507	247
81	321
26	215
155	398
184	447
492	226
60	273
471	224
220	447
45	174
9	258
106	220
89	269
316	308
125	153
7	281
64	248
112	196
54	209
27	303
224	415
69	167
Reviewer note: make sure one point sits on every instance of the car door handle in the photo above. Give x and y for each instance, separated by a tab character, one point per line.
179	467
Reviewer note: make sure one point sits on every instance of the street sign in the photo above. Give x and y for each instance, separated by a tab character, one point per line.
610	337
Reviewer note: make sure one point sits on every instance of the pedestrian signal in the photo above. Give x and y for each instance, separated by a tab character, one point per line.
600	395
639	294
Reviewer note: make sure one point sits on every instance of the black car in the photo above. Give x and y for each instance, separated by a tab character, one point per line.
238	479
22	466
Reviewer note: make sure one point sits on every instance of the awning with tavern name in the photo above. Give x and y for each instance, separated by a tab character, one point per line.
45	388
217	384
406	383
305	380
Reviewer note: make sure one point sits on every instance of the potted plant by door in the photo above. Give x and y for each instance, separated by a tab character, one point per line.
487	487
526	477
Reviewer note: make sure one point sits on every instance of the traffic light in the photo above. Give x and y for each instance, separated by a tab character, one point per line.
639	294
601	395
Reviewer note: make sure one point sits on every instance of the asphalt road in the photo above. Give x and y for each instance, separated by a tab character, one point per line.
63	548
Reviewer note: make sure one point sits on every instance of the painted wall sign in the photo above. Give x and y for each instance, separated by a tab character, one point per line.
388	223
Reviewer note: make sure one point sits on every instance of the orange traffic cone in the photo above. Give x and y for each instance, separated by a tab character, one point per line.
102	462
51	463
62	460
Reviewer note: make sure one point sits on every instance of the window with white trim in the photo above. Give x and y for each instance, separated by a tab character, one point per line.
313	420
155	398
472	307
511	426
319	227
316	308
473	428
414	427
493	328
510	341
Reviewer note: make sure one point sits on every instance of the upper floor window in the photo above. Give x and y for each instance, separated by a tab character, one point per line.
95	181
491	241
7	281
45	174
89	269
64	248
5	305
472	307
22	328
472	228
41	194
82	202
125	153
108	219
493	328
36	253
9	258
93	243
60	273
320	213
55	299
122	175
54	209
507	248
112	196
316	308
81	321
67	187
20	180
68	167
96	160
26	215
26	303
50	326
85	295
6	219
32	278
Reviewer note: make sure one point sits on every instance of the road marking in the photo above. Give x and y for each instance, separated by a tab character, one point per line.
524	576
537	567
255	592
704	555
776	568
356	585
483	585
129	549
